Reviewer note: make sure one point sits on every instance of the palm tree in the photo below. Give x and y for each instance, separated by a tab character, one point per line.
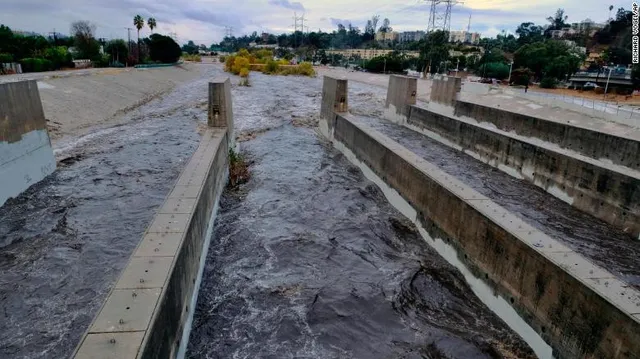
152	23
610	8
138	22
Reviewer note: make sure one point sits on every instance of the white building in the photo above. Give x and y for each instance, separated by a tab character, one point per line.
387	36
409	36
464	37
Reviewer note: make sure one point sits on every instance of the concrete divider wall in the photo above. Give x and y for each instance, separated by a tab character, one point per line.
574	305
445	89
147	313
26	156
603	192
620	150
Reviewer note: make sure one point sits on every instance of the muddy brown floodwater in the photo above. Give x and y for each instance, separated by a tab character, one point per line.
309	260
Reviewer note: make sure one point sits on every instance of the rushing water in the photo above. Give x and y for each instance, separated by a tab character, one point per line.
64	242
308	260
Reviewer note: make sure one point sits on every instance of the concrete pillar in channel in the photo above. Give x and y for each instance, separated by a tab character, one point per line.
334	97
220	107
401	94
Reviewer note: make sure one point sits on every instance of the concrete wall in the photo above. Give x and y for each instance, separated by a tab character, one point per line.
599	145
445	89
574	305
401	93
604	192
26	156
148	311
334	96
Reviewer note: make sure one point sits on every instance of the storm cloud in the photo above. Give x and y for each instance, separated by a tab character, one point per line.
204	21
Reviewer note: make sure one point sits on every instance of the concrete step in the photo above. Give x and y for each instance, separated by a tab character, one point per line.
607	191
595	138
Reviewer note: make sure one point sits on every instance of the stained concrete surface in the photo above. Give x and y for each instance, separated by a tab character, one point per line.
65	240
581	232
308	259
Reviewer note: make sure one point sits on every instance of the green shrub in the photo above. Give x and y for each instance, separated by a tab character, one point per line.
548	83
306	69
6	58
163	49
222	59
100	61
521	76
59	56
36	65
238	64
496	70
194	58
228	64
272	67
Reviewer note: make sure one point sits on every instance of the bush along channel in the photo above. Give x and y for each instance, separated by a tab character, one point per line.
238	170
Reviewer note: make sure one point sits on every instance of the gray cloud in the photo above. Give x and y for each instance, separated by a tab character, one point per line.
336	22
216	19
287	4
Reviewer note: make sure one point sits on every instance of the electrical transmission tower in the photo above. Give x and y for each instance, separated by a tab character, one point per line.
297	27
440	14
228	31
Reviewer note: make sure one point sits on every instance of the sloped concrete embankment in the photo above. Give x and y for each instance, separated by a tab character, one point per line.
150	308
591	141
608	192
74	105
591	170
26	156
580	309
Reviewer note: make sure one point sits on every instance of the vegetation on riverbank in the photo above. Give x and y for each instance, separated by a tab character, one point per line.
263	61
238	169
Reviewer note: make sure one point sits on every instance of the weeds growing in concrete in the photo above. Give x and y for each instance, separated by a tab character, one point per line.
238	170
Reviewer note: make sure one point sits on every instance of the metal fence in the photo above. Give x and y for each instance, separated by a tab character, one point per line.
609	110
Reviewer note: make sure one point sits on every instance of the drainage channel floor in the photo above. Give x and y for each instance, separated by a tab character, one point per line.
596	240
309	260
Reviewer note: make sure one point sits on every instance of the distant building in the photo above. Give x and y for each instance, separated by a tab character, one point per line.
387	36
586	25
368	54
464	37
409	36
265	37
574	47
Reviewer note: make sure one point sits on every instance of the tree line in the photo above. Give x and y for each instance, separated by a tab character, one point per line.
531	51
39	53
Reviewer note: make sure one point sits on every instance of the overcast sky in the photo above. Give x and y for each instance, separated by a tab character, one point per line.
204	20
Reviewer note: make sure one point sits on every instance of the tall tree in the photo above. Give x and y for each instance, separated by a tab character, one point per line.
84	39
386	26
138	22
529	32
558	21
152	23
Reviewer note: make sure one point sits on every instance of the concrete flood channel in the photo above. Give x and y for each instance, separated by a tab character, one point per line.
64	242
583	233
307	260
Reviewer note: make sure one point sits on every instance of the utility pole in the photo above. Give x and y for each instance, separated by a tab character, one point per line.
129	38
55	38
606	87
